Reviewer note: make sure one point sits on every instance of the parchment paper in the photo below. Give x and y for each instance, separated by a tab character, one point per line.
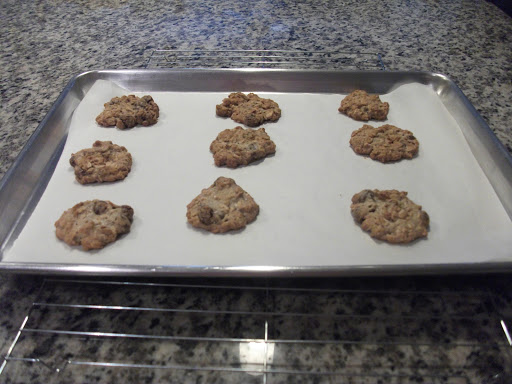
304	190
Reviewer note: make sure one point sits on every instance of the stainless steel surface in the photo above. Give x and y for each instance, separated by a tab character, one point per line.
22	187
286	334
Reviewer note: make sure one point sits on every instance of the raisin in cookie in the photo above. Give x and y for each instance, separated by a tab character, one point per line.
94	224
385	143
103	162
222	207
250	109
389	215
239	146
128	111
361	106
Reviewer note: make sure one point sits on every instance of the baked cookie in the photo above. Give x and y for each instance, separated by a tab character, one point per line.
250	109
103	162
239	146
222	207
385	143
361	106
389	215
94	224
128	111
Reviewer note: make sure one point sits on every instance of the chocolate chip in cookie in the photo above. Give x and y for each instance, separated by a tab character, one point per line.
103	162
222	207
128	111
94	224
389	215
250	109
385	143
362	106
239	146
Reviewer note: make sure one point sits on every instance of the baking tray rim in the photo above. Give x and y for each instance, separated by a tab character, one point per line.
430	78
254	271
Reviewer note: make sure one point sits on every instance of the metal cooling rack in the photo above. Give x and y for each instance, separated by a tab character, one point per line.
170	58
153	332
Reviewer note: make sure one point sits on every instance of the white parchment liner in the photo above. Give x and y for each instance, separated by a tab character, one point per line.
304	190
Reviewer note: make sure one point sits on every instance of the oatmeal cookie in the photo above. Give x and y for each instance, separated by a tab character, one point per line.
385	143
250	109
389	215
361	106
94	224
222	207
103	162
239	146
128	111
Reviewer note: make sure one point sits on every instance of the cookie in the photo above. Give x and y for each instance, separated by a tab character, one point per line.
239	146
94	224
128	111
250	109
361	106
103	162
222	207
389	215
385	143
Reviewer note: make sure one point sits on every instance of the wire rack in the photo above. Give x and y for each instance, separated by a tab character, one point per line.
170	58
153	332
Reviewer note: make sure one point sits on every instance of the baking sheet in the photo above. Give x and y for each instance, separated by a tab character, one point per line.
304	190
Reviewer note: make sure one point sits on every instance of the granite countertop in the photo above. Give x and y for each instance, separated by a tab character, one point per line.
442	328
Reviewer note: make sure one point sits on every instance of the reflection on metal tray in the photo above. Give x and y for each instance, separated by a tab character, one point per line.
300	332
25	182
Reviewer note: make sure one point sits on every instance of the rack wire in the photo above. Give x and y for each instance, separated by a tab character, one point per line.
139	331
171	58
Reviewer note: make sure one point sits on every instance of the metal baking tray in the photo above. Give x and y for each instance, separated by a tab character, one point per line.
27	179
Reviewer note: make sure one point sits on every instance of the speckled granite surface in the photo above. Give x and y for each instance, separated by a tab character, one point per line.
438	334
351	330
